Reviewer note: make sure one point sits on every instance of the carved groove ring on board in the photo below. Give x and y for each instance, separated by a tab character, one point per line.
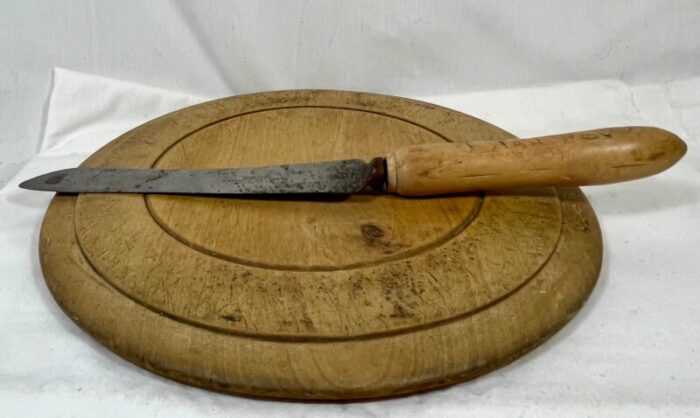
378	229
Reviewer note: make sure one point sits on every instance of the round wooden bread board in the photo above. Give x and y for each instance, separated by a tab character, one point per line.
316	298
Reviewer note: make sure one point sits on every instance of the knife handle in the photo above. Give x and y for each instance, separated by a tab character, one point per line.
573	159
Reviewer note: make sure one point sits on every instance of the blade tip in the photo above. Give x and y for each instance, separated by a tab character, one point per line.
45	182
28	185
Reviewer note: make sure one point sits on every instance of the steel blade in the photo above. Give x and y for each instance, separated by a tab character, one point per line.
344	176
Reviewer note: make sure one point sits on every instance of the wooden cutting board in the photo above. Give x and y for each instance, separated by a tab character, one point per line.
360	297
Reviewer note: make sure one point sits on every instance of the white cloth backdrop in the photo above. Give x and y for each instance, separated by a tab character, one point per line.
406	47
634	349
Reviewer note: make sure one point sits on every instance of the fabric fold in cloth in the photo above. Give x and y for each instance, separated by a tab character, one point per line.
633	349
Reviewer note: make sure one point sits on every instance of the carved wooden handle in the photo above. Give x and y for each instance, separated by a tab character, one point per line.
574	159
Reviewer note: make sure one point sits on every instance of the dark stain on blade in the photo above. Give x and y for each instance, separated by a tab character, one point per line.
55	179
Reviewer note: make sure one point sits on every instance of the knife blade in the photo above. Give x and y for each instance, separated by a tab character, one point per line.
573	159
345	176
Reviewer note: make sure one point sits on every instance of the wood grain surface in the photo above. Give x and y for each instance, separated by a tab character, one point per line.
361	297
572	159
